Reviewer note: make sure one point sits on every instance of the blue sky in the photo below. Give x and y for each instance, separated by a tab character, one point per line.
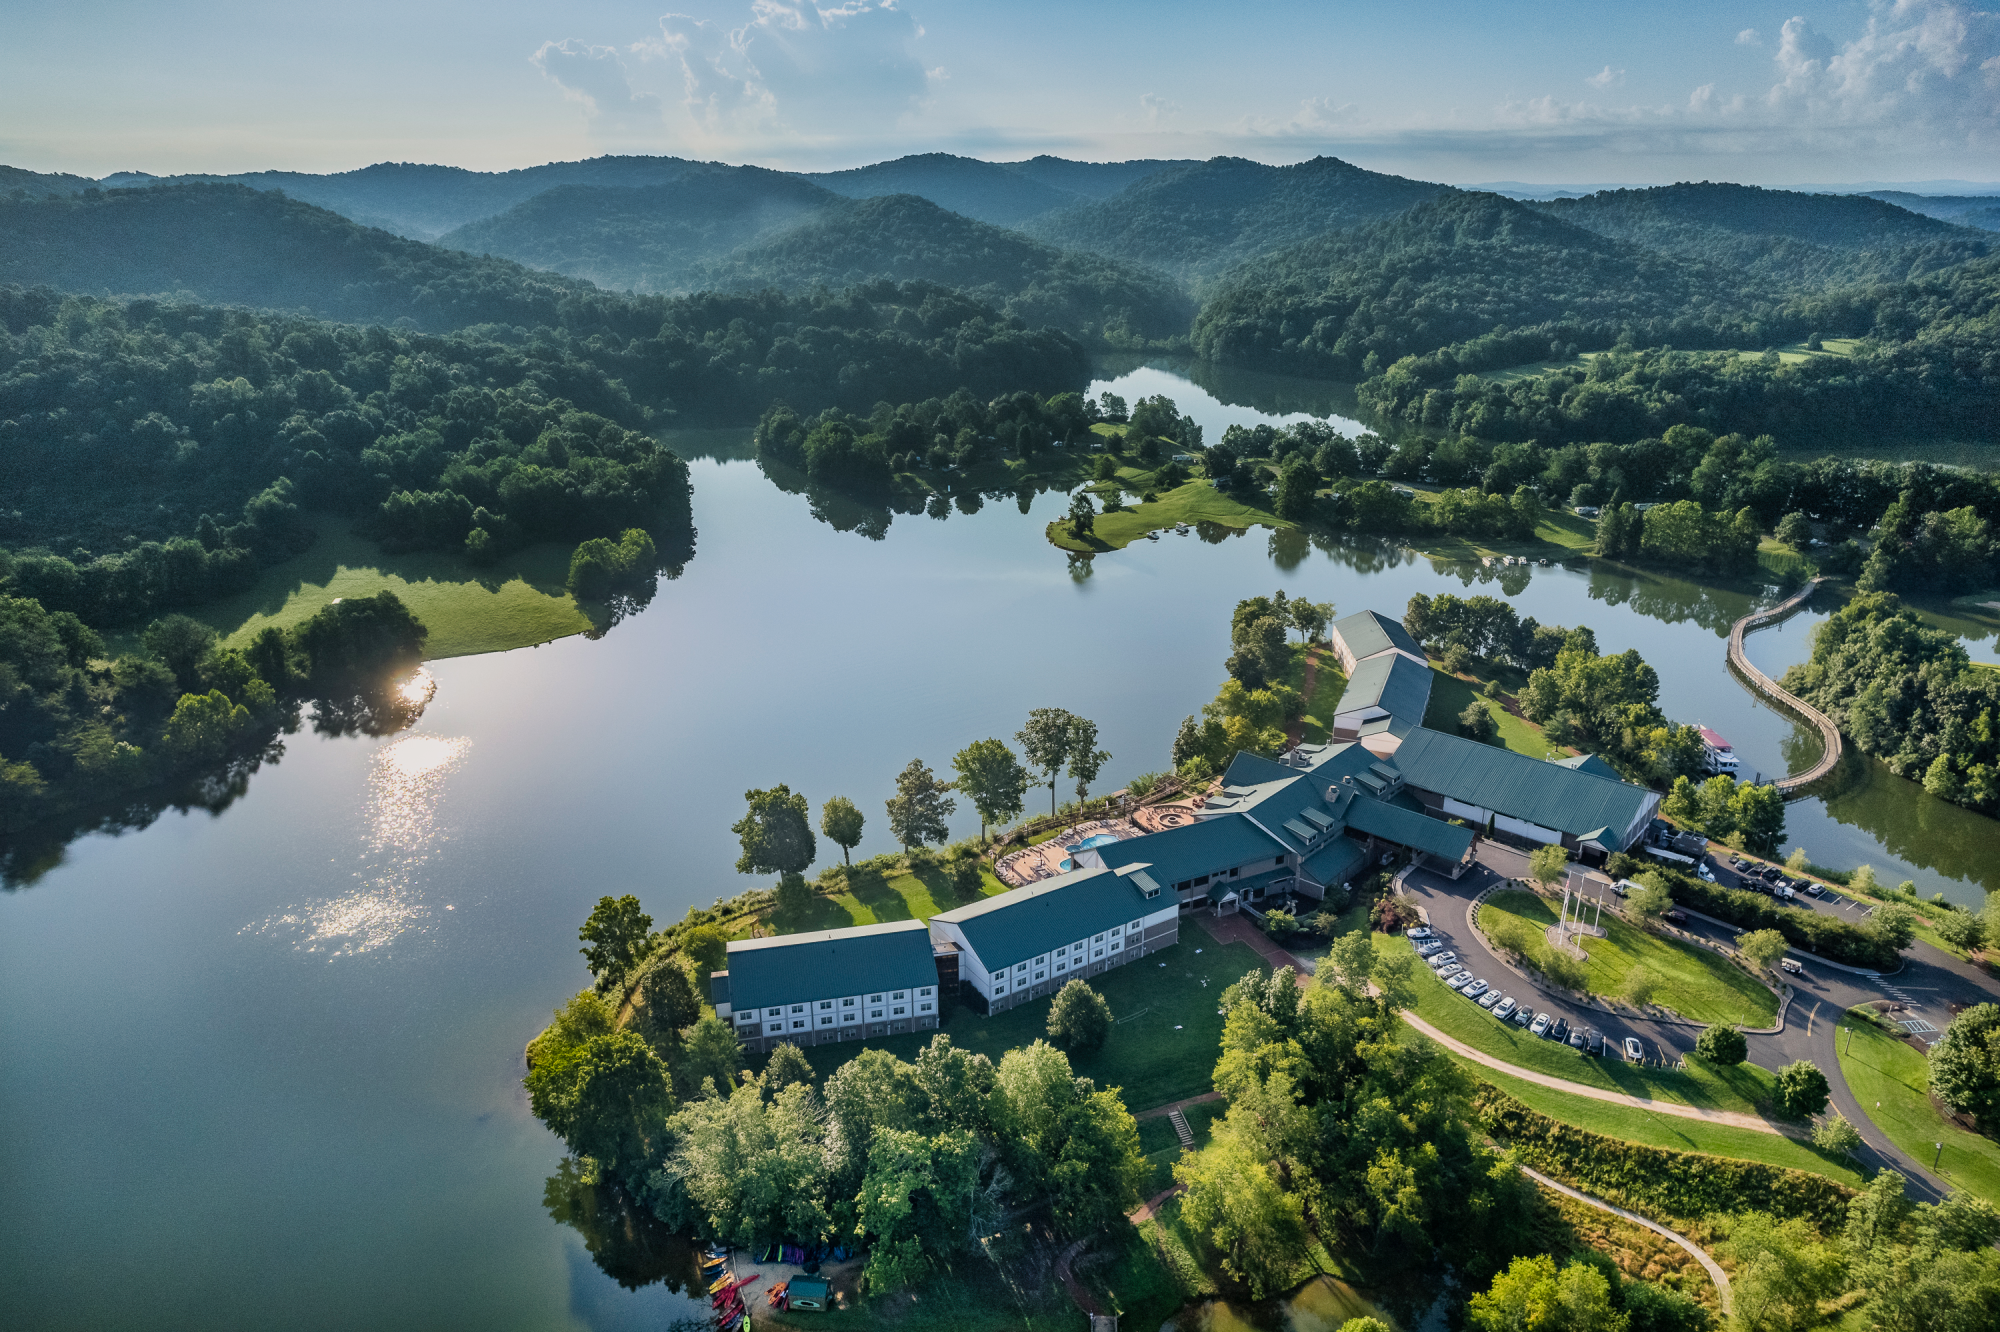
1551	92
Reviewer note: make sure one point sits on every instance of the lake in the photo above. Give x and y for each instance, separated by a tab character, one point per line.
263	1067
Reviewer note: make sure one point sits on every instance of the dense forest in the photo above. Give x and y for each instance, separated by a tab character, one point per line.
1200	217
1452	268
777	231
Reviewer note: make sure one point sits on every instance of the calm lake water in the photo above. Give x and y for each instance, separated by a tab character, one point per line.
263	1068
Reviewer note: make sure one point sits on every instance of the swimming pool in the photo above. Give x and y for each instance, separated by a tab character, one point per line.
1096	839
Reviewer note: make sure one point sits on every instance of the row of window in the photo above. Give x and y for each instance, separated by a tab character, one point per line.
1203	881
849	1009
1069	955
827	1019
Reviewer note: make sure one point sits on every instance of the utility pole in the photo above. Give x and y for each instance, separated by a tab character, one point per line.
1939	1157
1850	1039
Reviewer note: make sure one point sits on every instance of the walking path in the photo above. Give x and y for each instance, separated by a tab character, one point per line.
1735	1118
1172	1106
1297	728
1714	1269
1829	734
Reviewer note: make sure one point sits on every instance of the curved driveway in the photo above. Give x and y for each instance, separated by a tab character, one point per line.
1929	983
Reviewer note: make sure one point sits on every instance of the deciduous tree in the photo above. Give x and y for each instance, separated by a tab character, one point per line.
841	821
1079	1018
918	810
1047	741
1801	1089
776	835
617	939
1722	1044
992	779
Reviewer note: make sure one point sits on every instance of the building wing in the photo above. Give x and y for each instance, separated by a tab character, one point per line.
796	968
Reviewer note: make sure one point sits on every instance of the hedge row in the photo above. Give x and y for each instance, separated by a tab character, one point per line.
1828	936
1684	1186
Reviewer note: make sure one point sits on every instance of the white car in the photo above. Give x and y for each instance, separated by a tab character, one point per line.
1448	974
1503	1009
1418	932
1541	1025
1429	948
1490	999
1632	1050
1460	981
1442	961
1474	990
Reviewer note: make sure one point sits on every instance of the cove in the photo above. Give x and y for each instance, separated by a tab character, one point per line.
264	1066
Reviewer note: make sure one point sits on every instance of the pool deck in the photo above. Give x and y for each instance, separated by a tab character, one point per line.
1032	864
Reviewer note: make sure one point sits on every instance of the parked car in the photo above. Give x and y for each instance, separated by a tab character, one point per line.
1674	914
1449	974
1815	889
1770	874
1443	960
1474	990
1560	1030
1633	1051
1540	1027
1523	1016
1791	966
1490	999
1429	948
1461	980
1418	932
1738	862
1593	1042
1504	1008
1576	1038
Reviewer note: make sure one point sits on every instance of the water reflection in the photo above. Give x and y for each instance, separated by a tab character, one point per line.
1321	1305
1913	825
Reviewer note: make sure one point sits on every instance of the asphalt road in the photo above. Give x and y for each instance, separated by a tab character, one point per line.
1930	985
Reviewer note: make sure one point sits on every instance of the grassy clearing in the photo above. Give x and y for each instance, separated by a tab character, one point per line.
1194	502
1162	1145
1892	1082
1163	1048
518	602
1673	1132
1699	985
1328	685
1745	1089
1451	694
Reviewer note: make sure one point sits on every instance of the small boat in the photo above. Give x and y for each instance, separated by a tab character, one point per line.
720	1282
777	1292
723	1292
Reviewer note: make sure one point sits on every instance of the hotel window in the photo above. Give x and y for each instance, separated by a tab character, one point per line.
1279	861
1115	945
1062	966
1201	882
1040	974
777	1027
826	1021
798	1008
874	998
923	1008
1133	928
826	1003
774	1012
850	1017
798	1023
900	1010
1020	966
847	1003
1118	929
874	1012
897	995
999	990
1098	939
926	990
1098	953
1232	874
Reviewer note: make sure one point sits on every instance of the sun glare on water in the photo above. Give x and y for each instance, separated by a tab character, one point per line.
405	785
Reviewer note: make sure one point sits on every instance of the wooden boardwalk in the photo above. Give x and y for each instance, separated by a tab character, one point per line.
1829	734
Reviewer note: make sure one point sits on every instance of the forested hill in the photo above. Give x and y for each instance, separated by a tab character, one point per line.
1807	241
1202	217
989	191
651	238
1449	269
230	245
423	202
1968	210
677	240
15	182
1093	180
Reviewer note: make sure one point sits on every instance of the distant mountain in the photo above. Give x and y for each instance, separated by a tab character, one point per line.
1199	219
1802	240
424	202
1967	210
905	238
1452	268
1091	180
753	229
36	184
231	245
988	191
648	238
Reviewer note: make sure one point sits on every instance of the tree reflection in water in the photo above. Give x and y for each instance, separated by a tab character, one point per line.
629	1244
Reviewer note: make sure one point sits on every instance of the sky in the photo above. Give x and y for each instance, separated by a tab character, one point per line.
1624	91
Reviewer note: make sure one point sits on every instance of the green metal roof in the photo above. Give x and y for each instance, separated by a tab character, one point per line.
1027	922
1396	684
1524	788
1198	848
1335	862
1369	632
792	968
1589	763
1419	832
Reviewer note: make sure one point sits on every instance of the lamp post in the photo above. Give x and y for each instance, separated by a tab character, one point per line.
1939	1157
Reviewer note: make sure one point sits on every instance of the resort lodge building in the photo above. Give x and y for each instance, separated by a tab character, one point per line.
1295	826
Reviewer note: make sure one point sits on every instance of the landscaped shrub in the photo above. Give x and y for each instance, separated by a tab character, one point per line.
1683	1186
1828	936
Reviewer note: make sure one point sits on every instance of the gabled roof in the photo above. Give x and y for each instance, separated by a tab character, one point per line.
1369	632
1202	847
1335	862
792	968
1394	683
1027	922
1498	779
1589	763
1404	827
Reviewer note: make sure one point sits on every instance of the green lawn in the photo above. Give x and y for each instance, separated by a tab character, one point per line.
1882	1069
1193	502
1745	1088
1699	985
1674	1132
1328	685
1449	697
517	602
1167	1037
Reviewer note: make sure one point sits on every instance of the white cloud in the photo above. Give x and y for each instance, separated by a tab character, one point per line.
1606	78
1923	69
594	77
793	66
1749	37
1157	108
